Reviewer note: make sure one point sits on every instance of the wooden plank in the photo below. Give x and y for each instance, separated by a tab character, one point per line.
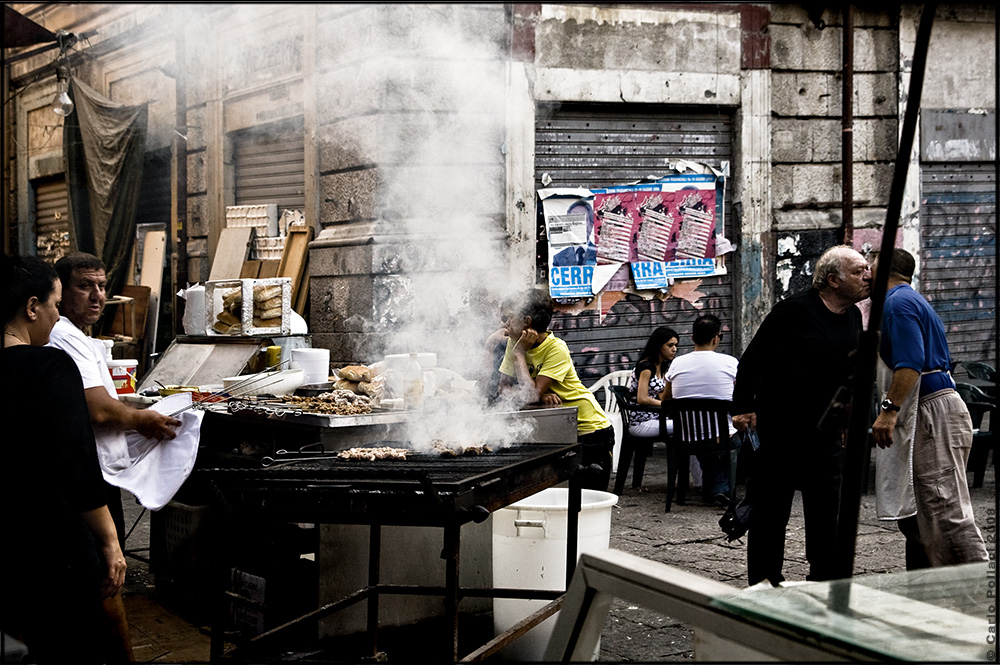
154	248
231	252
295	256
302	298
268	268
251	269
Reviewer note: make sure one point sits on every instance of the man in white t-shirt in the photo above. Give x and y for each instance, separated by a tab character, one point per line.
707	374
83	297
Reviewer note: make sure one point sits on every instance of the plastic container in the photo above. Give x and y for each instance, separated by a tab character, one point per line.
123	375
315	362
529	552
413	384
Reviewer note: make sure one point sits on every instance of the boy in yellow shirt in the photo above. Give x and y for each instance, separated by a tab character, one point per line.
537	367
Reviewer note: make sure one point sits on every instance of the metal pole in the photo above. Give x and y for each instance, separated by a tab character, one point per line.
179	261
864	375
847	136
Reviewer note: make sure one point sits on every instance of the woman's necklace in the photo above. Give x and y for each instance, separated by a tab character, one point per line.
15	336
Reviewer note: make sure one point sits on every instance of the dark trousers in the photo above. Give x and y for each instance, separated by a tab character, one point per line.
598	448
916	556
776	474
113	495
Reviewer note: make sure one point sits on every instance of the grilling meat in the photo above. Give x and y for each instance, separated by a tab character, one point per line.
372	454
455	450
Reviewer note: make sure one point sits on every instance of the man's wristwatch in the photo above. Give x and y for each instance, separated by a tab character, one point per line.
887	405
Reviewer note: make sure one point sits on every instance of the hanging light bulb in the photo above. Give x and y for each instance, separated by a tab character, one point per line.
62	105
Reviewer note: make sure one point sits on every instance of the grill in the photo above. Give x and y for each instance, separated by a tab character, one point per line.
426	489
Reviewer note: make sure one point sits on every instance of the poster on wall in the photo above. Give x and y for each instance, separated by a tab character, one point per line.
569	226
665	228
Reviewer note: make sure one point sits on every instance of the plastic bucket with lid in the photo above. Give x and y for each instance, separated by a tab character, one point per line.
123	375
529	552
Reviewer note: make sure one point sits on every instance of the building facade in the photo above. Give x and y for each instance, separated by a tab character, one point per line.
414	138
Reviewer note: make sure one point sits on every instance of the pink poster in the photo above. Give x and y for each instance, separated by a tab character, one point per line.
617	226
677	224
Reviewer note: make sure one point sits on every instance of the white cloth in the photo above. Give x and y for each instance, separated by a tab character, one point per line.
112	449
152	471
894	495
157	469
705	375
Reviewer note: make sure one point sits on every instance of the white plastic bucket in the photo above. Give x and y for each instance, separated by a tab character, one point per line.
529	552
123	375
315	362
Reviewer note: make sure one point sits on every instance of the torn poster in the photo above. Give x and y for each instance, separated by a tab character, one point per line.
570	227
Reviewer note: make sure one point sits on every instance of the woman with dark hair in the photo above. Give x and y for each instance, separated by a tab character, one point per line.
647	382
61	551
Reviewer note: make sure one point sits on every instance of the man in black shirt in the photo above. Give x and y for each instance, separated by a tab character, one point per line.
787	376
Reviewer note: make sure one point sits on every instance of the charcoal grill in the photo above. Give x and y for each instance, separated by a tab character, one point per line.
426	489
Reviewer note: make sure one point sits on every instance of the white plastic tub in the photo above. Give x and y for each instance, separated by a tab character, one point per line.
529	552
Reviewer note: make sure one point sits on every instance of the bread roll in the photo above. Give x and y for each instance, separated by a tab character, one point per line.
262	293
228	318
270	303
356	373
266	323
368	388
225	329
267	313
230	299
347	385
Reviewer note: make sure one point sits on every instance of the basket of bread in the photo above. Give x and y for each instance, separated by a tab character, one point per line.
249	306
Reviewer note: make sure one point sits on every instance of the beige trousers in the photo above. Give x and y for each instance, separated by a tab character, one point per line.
941	448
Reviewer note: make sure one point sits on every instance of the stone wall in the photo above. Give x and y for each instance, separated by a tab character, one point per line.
807	94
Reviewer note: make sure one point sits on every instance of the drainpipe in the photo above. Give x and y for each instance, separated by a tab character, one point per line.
847	137
856	446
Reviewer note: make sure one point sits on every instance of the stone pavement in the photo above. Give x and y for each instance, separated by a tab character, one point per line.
688	537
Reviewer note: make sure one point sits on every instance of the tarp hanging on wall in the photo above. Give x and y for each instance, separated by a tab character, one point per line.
104	144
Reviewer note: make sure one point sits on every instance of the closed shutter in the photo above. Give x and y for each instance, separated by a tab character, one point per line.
598	145
269	166
52	218
957	254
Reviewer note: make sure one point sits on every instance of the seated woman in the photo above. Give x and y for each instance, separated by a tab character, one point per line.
645	388
62	554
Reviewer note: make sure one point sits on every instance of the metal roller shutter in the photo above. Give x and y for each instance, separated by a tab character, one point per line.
52	218
269	166
957	254
598	145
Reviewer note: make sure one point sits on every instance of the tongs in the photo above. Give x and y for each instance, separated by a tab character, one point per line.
232	391
283	456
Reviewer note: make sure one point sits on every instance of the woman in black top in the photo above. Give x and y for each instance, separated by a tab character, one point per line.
61	550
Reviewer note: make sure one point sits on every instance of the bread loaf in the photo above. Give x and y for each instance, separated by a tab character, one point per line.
343	384
262	293
228	318
225	329
232	298
266	323
356	373
368	388
274	313
271	303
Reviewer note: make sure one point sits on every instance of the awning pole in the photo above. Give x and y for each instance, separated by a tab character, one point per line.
857	445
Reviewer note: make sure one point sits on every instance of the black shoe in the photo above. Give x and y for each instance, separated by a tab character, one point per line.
721	500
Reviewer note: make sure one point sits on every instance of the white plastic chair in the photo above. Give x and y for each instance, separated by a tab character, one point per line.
619	378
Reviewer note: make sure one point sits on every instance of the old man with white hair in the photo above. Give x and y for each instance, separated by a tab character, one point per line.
797	361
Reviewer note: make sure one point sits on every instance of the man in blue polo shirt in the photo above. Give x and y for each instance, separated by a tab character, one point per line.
923	432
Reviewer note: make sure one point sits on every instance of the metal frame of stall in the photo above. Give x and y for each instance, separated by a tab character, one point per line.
569	470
